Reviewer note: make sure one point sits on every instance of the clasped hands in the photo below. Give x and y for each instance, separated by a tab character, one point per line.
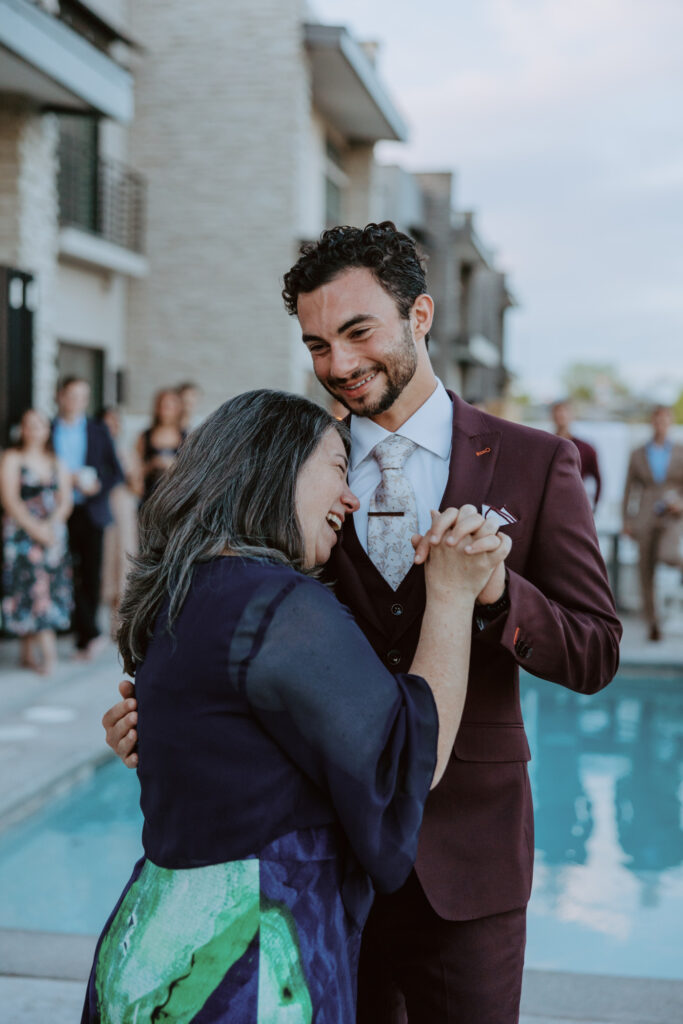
468	531
44	531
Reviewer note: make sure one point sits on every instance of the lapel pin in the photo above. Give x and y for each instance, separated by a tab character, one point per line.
484	451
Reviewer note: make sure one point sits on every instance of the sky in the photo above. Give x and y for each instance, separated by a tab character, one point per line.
563	122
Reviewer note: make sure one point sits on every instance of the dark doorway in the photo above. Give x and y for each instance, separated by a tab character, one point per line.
17	303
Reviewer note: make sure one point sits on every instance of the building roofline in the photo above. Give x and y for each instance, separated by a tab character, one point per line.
62	56
380	119
110	25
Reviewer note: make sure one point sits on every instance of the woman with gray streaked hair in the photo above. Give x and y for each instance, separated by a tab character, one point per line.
283	769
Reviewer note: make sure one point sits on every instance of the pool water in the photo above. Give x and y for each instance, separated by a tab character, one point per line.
63	869
607	775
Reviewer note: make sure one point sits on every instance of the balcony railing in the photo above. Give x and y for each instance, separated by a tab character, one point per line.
101	196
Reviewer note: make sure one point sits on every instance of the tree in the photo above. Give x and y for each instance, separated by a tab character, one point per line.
677	409
597	383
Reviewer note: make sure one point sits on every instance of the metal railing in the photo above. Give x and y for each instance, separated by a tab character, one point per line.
99	195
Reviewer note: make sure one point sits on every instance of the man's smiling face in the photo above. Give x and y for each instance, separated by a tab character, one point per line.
364	353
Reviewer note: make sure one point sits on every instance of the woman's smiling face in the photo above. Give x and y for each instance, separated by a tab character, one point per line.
323	498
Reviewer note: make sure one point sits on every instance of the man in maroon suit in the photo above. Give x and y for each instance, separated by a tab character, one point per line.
588	457
452	940
449	946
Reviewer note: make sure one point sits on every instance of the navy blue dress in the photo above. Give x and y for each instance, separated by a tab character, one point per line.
283	773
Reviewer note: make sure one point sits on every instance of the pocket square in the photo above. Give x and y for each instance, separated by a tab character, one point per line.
500	516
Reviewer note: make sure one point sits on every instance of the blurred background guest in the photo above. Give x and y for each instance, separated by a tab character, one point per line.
86	447
653	506
35	490
189	394
563	414
158	446
121	536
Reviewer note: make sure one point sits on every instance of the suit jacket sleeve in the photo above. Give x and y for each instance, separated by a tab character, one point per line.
631	481
108	468
365	737
595	470
562	623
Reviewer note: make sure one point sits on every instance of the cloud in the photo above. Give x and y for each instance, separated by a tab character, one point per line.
657	176
540	72
561	121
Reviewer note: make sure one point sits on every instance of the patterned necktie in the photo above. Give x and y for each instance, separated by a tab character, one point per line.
392	516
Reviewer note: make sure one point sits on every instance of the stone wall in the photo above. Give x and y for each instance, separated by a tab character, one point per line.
28	225
222	110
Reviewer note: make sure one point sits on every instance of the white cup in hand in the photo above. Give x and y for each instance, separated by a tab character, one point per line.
87	478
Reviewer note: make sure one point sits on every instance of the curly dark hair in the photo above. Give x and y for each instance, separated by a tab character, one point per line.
390	255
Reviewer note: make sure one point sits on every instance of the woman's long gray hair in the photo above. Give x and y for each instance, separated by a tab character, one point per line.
233	486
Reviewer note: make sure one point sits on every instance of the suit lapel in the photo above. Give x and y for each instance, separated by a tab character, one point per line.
645	468
474	453
675	469
89	453
344	562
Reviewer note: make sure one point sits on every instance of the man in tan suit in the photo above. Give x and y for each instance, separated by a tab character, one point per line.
653	507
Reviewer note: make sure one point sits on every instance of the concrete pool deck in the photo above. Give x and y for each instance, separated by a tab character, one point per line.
50	735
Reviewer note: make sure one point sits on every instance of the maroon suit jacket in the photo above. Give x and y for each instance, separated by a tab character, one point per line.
476	848
588	461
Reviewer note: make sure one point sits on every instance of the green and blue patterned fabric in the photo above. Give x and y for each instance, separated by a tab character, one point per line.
283	774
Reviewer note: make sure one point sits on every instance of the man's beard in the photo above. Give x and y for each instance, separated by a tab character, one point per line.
399	370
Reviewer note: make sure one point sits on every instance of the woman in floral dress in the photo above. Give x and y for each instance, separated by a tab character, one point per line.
36	498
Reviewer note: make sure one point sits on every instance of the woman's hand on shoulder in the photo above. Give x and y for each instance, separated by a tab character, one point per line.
119	723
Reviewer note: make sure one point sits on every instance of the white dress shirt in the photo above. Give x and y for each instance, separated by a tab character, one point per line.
431	428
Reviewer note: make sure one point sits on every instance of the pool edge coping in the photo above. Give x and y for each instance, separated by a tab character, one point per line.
548	994
553	994
29	803
59	956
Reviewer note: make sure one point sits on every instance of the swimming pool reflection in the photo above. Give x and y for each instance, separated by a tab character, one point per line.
607	776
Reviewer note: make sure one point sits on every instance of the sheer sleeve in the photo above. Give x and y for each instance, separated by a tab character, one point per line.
366	737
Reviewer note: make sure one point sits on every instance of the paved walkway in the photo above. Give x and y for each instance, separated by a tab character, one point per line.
50	729
591	1001
50	733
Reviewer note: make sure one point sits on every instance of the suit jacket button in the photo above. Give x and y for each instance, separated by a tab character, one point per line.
528	652
521	648
397	609
394	657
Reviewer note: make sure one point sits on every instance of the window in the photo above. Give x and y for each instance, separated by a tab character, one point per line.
78	171
335	183
333	203
88	363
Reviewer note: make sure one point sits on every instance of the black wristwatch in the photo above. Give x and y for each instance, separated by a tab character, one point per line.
486	613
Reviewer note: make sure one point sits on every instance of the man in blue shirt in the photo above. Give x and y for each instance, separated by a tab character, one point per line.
653	507
86	448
